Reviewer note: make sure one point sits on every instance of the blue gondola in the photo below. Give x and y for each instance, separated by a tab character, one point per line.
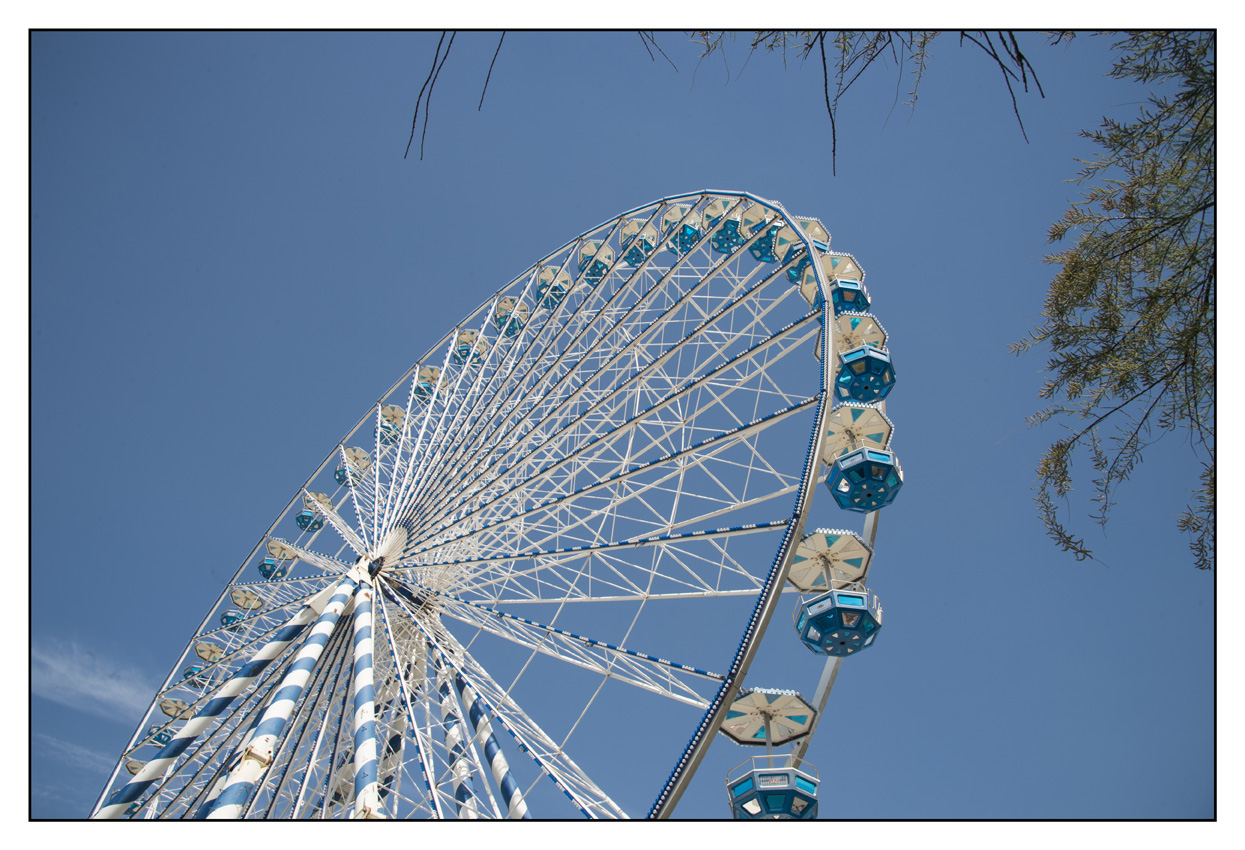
846	296
427	381
865	480
309	520
551	287
510	315
681	229
865	374
637	240
769	790
838	622
595	260
272	569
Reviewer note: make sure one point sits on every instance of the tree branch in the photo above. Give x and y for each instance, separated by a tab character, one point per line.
489	76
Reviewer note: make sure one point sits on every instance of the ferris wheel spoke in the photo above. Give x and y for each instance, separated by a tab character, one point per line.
333	518
635	326
703	450
361	484
642	670
673	336
533	740
437	446
415	471
330	566
735	375
409	475
642	380
592	572
546	574
571	328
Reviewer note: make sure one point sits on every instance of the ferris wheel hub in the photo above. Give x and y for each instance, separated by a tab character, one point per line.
388	552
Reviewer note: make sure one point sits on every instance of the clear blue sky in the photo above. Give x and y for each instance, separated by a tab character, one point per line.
231	260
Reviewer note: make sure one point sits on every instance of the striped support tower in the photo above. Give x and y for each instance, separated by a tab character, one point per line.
482	730
240	681
366	800
243	779
455	742
205	808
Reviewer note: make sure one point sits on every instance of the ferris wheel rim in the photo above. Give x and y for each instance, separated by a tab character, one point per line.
792	525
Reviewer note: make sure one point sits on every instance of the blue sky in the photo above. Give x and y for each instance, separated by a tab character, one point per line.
231	260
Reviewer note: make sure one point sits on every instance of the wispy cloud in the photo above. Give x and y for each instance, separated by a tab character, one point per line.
83	759
71	789
79	678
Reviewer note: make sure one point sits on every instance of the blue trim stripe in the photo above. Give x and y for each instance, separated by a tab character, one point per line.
621	544
555	630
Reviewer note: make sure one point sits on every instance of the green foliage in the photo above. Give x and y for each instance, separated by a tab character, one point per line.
1130	316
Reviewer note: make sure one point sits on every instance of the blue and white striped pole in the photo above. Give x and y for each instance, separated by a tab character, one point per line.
366	798
515	805
218	785
255	760
240	681
456	743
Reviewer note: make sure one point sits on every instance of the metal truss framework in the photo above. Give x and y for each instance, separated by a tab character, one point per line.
588	512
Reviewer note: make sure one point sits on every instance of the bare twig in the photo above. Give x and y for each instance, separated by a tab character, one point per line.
490	70
825	79
420	97
428	99
1018	59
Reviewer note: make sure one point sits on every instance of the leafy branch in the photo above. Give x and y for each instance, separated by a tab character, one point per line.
1130	315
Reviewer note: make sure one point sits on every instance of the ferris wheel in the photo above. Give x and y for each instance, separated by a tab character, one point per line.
531	580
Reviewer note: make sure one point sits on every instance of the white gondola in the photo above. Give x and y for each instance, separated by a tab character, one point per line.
510	316
595	259
209	652
469	349
829	558
768	717
176	708
852	425
638	239
681	229
551	286
246	598
429	382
